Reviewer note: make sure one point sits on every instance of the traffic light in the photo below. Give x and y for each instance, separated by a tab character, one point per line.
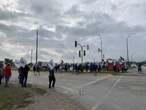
84	52
76	43
88	47
79	53
99	50
103	56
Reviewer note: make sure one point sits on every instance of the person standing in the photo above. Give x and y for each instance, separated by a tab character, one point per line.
38	69
139	68
24	76
1	72
20	74
7	74
34	69
52	79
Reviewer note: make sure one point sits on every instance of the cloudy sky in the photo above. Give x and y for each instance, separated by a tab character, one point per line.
61	22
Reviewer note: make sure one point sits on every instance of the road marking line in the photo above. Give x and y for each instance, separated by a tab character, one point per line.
82	88
67	89
108	93
95	81
79	91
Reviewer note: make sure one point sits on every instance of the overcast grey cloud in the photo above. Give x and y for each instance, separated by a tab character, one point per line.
61	22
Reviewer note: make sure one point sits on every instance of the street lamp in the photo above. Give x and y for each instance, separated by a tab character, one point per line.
82	52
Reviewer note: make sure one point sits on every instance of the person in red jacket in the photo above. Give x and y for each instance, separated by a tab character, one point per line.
7	74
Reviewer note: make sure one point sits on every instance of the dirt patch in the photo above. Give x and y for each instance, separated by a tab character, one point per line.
34	98
15	97
53	100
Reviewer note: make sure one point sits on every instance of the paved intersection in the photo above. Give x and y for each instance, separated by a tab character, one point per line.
116	93
103	92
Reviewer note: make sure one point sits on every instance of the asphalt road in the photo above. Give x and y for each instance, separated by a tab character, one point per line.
120	92
67	83
116	93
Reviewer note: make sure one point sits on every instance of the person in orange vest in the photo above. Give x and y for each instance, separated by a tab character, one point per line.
7	74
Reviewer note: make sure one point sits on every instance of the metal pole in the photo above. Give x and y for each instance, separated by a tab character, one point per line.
37	35
127	45
82	54
31	56
101	47
82	51
73	60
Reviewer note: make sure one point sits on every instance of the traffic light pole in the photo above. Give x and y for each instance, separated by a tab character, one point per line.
82	50
82	54
101	46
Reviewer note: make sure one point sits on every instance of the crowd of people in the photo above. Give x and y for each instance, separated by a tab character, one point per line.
109	65
23	70
23	75
5	72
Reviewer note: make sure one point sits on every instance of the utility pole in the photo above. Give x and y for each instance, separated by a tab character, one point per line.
31	56
101	46
37	43
127	46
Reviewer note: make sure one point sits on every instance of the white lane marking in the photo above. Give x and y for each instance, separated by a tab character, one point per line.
67	89
82	88
95	81
108	94
79	91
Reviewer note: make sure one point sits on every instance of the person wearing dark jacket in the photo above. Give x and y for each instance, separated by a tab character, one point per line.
24	75
20	74
1	73
38	69
52	79
139	68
